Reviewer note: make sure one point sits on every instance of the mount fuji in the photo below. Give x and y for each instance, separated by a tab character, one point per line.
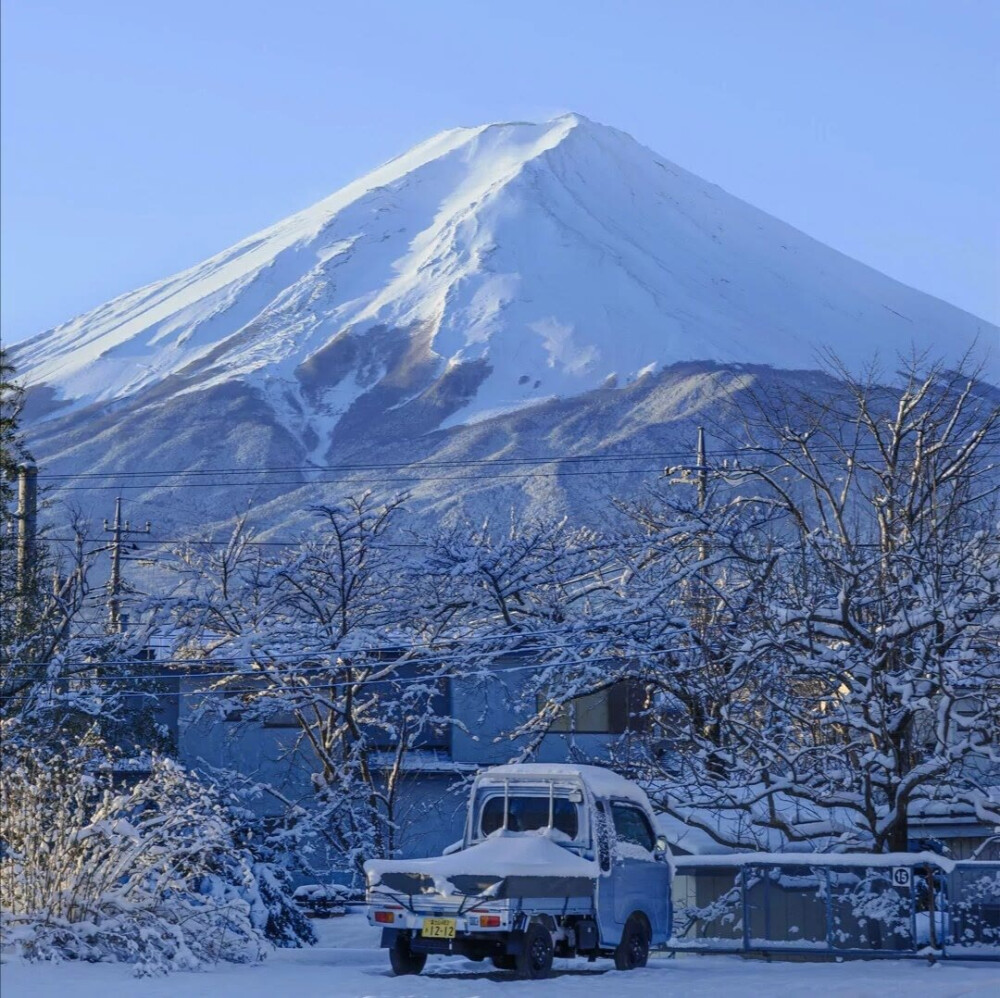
512	290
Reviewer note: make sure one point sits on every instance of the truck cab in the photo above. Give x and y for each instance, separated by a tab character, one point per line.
555	860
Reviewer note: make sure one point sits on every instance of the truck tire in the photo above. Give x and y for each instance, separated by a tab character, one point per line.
403	959
535	960
633	950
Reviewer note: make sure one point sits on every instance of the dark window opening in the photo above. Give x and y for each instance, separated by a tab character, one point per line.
632	825
281	719
527	814
614	710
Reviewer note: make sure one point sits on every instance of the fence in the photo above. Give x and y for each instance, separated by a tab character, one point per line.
903	904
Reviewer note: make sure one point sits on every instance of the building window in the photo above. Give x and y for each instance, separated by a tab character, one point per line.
613	710
281	719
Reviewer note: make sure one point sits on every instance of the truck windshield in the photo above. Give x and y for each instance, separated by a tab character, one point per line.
529	813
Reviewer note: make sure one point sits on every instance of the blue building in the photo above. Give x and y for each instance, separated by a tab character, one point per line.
432	792
431	807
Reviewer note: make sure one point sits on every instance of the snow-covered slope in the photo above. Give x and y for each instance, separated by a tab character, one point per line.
485	270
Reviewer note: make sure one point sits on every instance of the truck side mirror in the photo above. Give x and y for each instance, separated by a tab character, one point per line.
662	847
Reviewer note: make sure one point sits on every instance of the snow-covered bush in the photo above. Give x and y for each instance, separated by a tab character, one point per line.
146	869
274	908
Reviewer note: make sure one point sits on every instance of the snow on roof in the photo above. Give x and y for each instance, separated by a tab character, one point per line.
685	839
423	761
602	782
843	859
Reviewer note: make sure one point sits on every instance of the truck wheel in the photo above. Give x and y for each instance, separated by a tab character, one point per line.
633	950
535	960
404	960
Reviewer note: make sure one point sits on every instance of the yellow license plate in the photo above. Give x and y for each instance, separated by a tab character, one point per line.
438	928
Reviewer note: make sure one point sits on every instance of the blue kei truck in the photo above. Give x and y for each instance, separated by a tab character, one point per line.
556	860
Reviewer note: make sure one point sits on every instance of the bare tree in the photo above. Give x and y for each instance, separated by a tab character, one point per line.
525	589
698	574
889	622
816	633
324	638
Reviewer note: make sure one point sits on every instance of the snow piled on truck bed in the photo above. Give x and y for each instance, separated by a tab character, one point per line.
503	854
348	964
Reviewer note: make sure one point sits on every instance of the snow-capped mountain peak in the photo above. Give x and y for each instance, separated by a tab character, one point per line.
487	269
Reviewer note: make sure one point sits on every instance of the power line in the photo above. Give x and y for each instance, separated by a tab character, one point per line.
820	446
137	479
197	542
374	466
375	480
302	542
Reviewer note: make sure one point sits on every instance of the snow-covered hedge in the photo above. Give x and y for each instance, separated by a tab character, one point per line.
146	869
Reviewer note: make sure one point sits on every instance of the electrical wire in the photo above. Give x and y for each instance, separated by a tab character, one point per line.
137	480
459	463
376	466
155	487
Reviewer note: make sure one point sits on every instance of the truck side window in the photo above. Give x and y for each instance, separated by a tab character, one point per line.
632	825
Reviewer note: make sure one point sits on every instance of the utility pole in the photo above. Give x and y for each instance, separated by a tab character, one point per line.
703	596
118	531
702	470
27	522
27	530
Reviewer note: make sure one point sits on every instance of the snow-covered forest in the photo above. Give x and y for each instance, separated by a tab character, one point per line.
806	635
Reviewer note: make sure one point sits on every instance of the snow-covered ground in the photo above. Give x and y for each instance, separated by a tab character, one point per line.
348	964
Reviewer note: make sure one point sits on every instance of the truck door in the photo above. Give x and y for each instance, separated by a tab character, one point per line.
608	929
636	880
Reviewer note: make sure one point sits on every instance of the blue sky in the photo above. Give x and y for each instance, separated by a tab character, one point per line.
140	137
